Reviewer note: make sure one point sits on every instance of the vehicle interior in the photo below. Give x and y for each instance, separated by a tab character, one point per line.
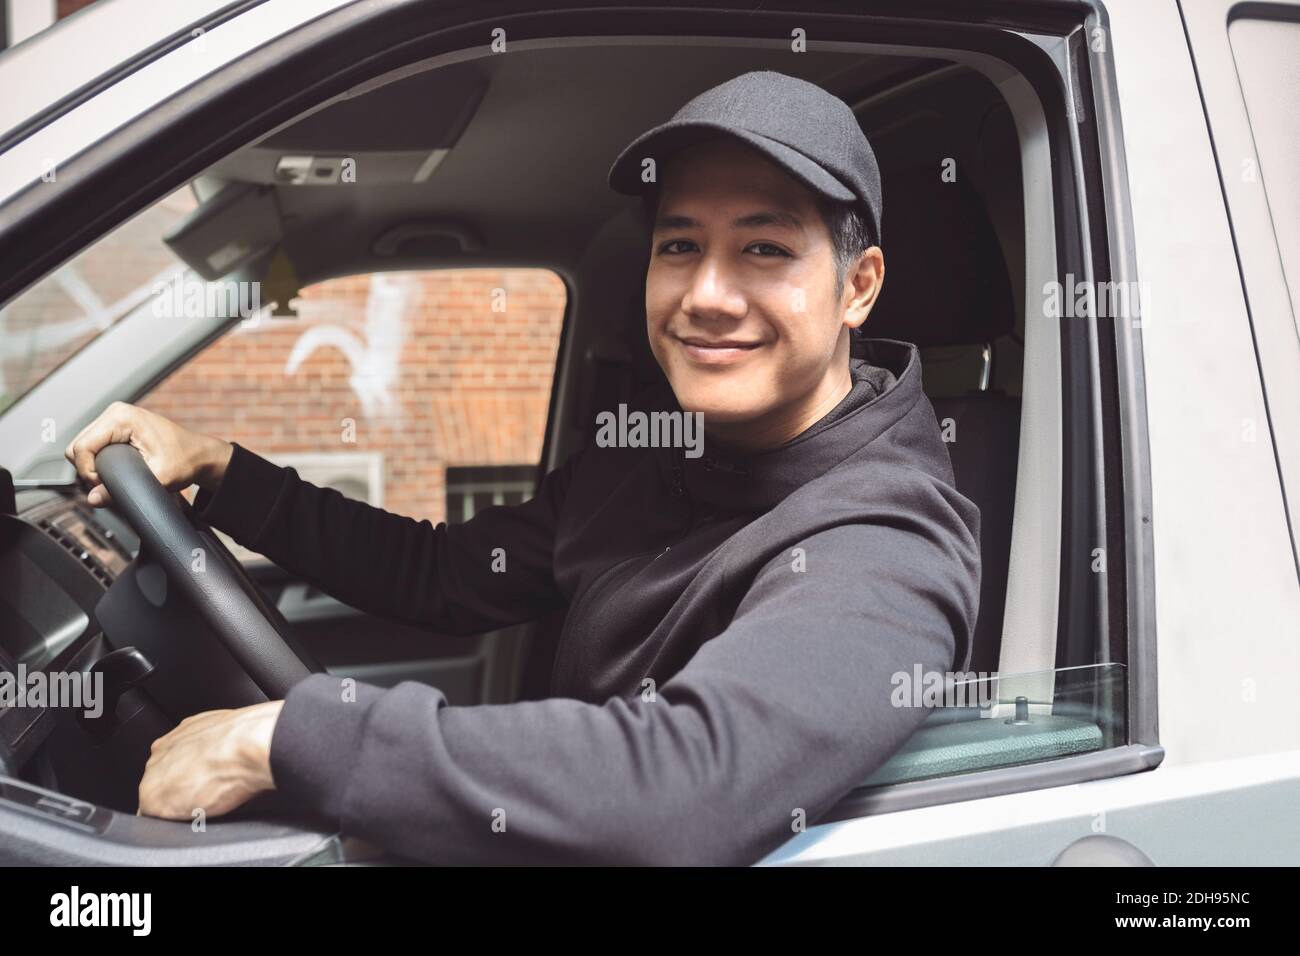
500	162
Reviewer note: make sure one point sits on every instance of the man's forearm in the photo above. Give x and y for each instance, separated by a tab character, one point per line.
213	459
444	578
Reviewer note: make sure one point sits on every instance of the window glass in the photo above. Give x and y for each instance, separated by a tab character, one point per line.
411	391
60	315
982	723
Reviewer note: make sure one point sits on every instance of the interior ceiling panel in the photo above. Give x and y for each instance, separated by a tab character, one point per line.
421	112
532	135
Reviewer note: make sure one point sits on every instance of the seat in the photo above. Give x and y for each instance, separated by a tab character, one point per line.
984	464
947	284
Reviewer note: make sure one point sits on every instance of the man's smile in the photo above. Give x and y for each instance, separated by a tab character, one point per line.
716	351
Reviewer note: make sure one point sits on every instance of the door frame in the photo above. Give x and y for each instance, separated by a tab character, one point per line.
322	59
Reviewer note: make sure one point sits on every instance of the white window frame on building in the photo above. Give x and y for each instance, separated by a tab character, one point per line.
474	487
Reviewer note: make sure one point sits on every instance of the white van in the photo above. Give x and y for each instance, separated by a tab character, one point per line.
1093	236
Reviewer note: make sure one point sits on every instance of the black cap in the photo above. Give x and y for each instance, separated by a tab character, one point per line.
810	133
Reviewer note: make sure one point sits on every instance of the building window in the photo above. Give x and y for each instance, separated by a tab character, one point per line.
471	489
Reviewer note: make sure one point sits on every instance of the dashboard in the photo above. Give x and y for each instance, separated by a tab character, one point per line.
101	542
58	560
48	594
71	581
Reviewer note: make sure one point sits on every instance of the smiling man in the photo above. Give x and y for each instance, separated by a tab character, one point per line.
733	622
741	326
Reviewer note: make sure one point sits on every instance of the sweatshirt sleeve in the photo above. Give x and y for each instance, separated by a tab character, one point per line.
491	571
770	723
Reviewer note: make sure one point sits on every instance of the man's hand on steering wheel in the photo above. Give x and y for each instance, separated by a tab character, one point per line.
219	759
177	456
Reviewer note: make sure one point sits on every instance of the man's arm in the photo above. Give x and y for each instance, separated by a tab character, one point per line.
488	572
775	718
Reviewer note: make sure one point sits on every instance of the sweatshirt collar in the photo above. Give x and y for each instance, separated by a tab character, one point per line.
886	384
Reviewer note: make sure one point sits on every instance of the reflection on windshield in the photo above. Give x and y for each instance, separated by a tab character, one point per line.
56	318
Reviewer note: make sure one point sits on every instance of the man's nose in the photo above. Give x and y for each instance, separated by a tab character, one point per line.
713	292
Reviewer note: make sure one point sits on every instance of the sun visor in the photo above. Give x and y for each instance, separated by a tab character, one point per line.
395	133
230	230
419	113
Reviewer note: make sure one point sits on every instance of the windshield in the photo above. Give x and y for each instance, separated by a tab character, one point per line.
64	312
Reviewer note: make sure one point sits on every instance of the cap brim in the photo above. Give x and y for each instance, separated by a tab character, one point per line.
666	139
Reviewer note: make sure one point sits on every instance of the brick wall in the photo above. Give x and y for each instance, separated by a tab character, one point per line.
462	385
66	7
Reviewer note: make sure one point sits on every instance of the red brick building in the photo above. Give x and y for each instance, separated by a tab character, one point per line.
470	386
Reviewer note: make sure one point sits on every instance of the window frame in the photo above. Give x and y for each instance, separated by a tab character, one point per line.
158	151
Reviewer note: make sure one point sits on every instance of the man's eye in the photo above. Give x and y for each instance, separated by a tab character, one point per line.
674	242
770	249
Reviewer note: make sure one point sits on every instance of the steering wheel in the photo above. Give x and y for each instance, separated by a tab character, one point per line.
251	628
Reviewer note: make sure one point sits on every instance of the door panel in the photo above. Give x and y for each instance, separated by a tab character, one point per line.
1230	813
1247	60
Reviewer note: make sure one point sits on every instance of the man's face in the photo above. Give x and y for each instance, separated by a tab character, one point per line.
741	308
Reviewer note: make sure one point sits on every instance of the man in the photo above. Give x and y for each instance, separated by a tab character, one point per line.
734	620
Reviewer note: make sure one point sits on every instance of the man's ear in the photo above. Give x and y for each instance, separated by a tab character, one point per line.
862	286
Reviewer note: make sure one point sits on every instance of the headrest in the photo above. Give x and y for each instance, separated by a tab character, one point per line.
946	280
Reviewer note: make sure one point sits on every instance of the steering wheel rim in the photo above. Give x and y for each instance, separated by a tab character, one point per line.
250	627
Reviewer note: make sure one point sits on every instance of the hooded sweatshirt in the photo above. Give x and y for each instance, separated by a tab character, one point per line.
735	629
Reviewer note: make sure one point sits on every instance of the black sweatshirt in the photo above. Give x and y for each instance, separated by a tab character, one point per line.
724	670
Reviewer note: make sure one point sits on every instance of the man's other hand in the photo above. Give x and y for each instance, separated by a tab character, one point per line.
214	761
